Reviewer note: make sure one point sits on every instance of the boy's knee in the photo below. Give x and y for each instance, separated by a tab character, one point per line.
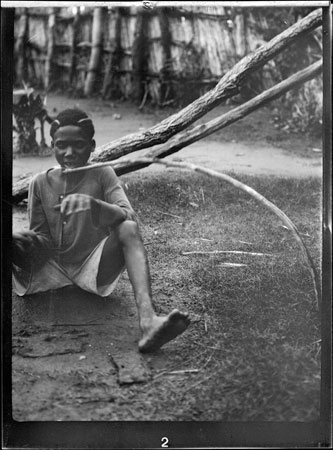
128	230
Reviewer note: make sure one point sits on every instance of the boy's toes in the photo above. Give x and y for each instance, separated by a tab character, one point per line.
164	329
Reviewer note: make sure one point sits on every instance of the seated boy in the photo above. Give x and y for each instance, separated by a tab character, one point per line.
83	232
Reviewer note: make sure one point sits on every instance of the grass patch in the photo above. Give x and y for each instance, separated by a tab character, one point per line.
254	341
255	331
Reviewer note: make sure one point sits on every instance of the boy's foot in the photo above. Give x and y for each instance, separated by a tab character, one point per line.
162	330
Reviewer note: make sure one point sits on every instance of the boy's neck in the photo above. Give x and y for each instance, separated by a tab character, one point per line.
66	181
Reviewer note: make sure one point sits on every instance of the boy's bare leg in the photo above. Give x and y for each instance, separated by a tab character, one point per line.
156	330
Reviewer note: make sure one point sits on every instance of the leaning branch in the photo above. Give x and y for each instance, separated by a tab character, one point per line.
200	131
227	87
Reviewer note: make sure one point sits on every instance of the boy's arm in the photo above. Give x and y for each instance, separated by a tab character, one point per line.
37	219
103	214
109	212
107	215
31	247
116	207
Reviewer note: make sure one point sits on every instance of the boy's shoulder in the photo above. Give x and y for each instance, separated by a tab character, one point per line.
102	171
39	180
107	168
39	177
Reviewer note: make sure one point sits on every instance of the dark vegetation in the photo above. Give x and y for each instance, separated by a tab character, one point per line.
27	113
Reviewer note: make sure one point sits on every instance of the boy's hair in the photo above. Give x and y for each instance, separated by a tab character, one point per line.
75	117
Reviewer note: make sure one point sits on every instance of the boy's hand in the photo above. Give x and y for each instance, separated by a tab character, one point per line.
25	240
75	203
28	250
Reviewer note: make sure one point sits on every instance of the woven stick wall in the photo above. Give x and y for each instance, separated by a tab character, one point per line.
163	55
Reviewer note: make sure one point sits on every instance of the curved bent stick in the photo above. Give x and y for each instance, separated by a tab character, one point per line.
244	187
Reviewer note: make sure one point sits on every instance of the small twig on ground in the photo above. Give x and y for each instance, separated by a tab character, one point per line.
197	384
202	195
168	214
208	360
46	355
92	400
79	324
76	324
205	323
231	265
159	375
193	360
217	252
207	346
155	241
176	372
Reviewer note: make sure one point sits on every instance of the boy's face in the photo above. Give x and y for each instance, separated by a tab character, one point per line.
71	147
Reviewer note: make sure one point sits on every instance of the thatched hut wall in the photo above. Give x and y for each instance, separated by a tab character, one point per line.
186	51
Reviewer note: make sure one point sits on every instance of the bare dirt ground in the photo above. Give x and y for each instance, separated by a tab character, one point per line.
75	355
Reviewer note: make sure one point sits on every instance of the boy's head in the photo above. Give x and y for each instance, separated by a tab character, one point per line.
75	117
72	134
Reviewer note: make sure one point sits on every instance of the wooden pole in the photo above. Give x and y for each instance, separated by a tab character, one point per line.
139	55
200	131
188	137
227	87
245	30
165	86
50	49
96	51
73	56
21	47
20	189
114	58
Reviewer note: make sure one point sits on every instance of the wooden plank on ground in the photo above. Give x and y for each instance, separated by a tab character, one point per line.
131	366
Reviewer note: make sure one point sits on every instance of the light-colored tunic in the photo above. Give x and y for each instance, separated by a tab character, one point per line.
76	243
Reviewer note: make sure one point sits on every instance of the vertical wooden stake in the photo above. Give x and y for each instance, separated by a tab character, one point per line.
21	47
73	56
96	51
245	31
50	49
139	55
114	58
165	86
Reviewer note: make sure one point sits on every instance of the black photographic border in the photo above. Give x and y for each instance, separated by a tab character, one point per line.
130	434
